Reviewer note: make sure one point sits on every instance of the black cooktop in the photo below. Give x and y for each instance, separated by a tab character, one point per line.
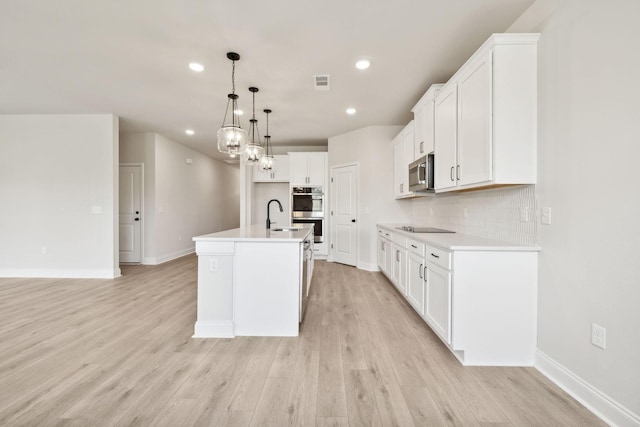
412	229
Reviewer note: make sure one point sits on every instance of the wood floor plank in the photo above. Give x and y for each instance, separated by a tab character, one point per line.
95	352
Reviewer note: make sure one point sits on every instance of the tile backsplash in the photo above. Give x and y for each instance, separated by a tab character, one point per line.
493	214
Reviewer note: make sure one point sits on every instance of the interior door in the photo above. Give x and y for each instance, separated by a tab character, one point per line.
344	194
130	213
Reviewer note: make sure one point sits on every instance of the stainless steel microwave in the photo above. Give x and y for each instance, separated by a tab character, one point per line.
421	175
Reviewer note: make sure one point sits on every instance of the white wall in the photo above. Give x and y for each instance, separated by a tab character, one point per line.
588	151
53	170
181	200
371	147
262	193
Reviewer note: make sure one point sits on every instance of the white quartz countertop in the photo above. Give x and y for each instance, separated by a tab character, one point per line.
459	241
258	233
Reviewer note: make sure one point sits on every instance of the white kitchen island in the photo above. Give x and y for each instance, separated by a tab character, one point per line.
249	282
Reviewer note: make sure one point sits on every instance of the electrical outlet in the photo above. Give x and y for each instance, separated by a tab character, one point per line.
524	214
546	216
213	265
599	336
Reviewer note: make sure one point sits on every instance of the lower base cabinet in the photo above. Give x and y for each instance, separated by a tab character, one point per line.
481	302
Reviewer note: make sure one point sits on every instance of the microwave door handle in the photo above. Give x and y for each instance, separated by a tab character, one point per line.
422	173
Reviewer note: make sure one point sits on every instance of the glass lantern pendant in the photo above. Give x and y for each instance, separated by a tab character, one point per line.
253	151
267	162
231	137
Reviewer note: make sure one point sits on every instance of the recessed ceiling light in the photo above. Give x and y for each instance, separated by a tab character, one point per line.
196	67
363	64
351	111
189	132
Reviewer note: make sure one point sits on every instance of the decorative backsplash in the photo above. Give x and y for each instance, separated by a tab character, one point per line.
493	214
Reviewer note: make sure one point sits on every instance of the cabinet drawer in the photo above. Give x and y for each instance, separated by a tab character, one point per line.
385	233
415	247
438	257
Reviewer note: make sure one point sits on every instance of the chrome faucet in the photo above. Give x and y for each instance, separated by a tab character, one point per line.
268	213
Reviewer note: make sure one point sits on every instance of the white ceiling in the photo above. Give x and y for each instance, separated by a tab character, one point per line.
130	58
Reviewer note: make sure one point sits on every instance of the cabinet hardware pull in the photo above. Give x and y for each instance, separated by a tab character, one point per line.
420	271
458	172
414	246
425	273
422	147
434	255
398	256
451	174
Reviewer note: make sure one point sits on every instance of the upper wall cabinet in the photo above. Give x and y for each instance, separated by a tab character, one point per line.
281	173
308	168
486	117
423	117
403	146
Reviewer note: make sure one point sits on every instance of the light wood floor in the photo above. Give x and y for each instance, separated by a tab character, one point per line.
120	352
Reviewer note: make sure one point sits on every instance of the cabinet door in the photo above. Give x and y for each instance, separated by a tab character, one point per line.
398	156
261	176
428	129
446	136
474	124
282	169
420	125
437	311
381	256
316	168
415	282
400	268
298	168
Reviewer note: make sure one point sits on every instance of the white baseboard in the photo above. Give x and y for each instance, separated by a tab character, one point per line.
61	273
210	329
367	266
593	399
167	257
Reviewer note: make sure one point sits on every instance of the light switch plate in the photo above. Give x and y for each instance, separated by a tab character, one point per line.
546	216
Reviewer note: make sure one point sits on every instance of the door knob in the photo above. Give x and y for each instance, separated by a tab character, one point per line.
136	219
137	212
353	220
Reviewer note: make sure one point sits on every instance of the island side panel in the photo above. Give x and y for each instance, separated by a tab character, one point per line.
267	288
215	290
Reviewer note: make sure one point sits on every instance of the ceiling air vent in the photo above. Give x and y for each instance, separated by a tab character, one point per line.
321	82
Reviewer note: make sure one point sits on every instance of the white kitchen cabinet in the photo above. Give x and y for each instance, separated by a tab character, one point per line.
281	173
423	116
385	252
403	155
308	168
446	137
479	298
437	310
493	139
399	268
416	275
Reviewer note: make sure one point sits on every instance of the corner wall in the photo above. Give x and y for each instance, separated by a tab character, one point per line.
181	200
58	187
372	149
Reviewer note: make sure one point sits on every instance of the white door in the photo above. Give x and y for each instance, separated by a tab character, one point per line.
344	194
130	213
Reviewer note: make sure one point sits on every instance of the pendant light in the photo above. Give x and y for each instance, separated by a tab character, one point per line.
231	137
267	162
253	151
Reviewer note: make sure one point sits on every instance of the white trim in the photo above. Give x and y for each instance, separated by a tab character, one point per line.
593	399
142	211
213	329
367	266
59	273
168	257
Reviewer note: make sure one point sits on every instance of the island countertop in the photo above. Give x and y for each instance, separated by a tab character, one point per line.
258	233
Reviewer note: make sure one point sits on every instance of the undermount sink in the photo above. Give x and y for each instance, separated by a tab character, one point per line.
286	229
